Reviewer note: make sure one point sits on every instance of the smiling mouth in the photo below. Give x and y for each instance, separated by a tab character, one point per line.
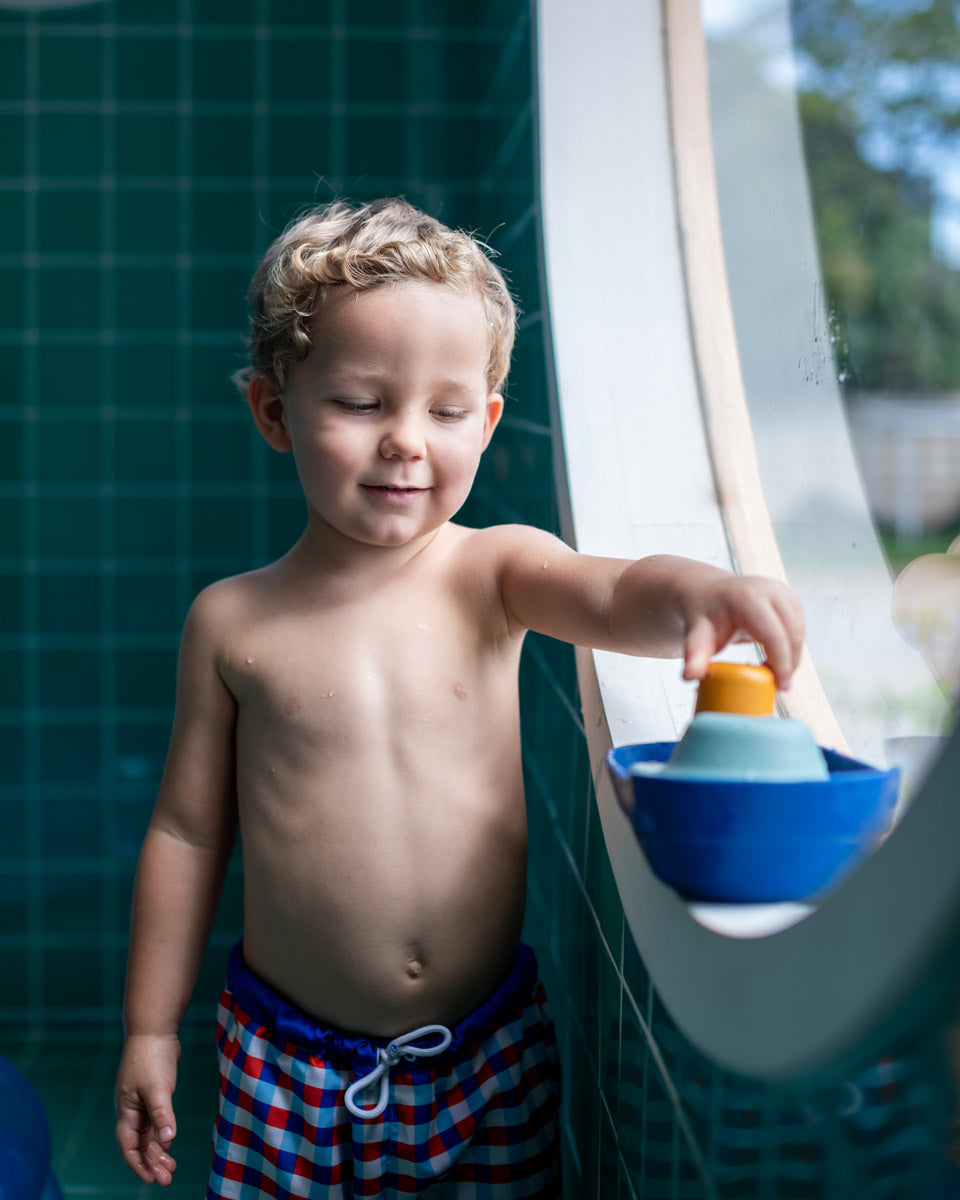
390	487
393	493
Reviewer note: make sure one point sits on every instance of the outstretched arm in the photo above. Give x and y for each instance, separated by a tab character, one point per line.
662	606
701	609
182	865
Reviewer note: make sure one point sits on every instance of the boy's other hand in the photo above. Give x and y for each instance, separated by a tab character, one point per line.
146	1125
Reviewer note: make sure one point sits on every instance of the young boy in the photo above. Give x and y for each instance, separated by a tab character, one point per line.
352	708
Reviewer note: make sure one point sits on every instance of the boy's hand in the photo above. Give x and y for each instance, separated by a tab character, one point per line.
725	608
144	1103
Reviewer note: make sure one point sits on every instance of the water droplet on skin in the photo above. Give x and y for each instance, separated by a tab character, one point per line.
545	565
251	661
460	691
423	625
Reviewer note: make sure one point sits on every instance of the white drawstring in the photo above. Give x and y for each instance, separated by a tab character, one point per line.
389	1057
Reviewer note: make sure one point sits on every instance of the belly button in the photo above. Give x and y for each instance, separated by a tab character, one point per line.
414	968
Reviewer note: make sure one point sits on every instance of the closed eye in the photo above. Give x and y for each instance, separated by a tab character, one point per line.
355	406
449	414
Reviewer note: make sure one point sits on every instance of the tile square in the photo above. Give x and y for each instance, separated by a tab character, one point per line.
68	451
68	603
451	146
145	677
221	528
146	12
221	450
439	13
447	71
147	144
16	986
377	70
67	977
12	443
13	832
145	451
70	753
223	222
71	901
12	608
12	140
148	68
370	13
12	670
141	751
300	145
146	376
12	216
225	12
300	69
223	68
70	68
69	679
223	144
146	222
146	297
211	368
146	602
146	528
68	375
69	298
376	146
70	144
68	528
13	63
13	758
219	297
11	300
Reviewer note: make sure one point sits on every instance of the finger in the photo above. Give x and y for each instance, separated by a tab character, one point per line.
783	644
158	1162
698	648
127	1133
791	611
159	1108
142	1154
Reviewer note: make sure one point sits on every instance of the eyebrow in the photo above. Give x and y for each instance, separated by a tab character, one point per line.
367	379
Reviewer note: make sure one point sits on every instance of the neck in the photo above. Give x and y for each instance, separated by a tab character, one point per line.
324	550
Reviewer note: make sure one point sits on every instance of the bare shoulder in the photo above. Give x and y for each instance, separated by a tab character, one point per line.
223	609
504	561
500	546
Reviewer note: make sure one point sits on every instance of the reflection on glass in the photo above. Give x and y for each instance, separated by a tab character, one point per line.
836	135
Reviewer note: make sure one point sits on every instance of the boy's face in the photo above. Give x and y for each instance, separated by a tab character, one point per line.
389	413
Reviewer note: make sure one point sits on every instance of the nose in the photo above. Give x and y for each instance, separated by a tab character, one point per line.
403	436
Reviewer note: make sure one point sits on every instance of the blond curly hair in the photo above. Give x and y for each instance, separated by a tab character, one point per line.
387	241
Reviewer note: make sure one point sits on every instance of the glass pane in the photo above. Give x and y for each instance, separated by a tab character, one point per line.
835	129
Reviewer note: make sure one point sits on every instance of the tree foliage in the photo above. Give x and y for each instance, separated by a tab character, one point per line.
880	108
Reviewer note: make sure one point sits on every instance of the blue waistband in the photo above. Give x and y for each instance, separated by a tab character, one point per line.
260	1002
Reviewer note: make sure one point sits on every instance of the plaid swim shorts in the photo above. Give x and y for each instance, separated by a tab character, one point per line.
473	1117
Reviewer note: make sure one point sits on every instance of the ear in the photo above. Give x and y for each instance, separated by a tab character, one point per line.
269	412
491	418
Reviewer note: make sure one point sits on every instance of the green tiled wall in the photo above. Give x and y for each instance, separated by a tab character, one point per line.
151	149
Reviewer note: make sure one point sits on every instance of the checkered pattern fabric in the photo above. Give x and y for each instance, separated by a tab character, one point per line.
480	1120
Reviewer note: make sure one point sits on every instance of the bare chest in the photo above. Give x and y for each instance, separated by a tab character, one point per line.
353	675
